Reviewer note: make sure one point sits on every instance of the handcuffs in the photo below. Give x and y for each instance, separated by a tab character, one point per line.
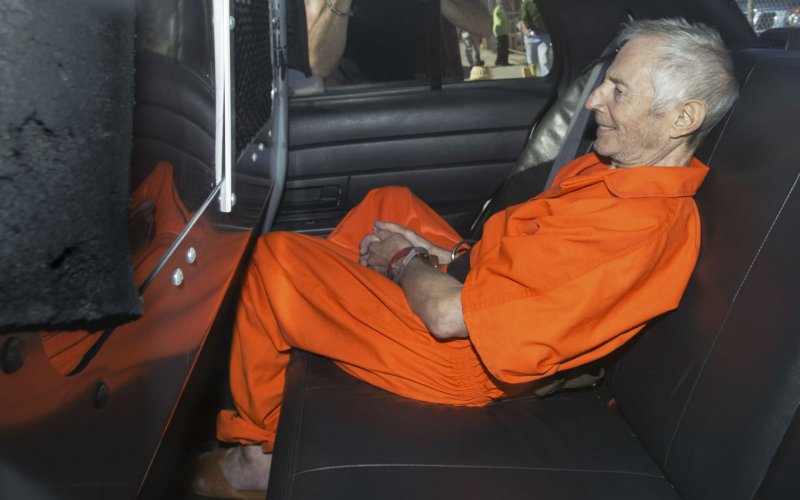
399	261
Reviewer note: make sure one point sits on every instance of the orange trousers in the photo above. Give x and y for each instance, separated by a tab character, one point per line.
312	294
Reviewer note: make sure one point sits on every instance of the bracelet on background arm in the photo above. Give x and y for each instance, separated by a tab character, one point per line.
337	12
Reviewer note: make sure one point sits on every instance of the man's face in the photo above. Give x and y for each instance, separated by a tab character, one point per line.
628	132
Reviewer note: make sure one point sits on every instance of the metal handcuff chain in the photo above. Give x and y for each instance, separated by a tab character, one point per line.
455	253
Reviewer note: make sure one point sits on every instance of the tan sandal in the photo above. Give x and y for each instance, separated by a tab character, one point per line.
209	479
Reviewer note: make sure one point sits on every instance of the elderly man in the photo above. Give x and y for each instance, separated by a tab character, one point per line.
556	282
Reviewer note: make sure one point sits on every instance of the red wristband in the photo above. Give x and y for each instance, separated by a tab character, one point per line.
395	259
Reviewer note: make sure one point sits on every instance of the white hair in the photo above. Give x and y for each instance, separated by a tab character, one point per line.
691	62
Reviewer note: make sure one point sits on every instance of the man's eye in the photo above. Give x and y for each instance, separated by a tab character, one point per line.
617	92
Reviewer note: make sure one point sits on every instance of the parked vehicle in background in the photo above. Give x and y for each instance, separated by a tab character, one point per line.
771	13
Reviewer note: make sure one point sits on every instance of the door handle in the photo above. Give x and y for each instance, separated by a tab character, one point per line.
312	198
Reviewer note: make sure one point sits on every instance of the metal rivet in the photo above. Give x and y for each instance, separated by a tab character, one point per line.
254	157
13	356
261	146
191	255
233	199
177	277
101	395
232	22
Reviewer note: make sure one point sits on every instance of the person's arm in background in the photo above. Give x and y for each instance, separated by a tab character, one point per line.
523	14
327	34
327	31
469	15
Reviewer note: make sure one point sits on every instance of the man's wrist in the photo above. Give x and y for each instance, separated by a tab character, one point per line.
396	261
400	260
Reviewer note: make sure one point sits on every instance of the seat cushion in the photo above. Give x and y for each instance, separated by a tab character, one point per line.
342	438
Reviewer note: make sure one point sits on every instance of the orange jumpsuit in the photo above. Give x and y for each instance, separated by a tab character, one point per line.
556	282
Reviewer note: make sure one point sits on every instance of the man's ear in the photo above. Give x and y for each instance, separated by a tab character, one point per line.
689	116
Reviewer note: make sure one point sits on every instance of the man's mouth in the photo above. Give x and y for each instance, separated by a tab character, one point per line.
604	129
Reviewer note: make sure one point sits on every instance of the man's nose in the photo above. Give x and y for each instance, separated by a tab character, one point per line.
594	100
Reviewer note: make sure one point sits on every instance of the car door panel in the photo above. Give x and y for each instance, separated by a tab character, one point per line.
452	147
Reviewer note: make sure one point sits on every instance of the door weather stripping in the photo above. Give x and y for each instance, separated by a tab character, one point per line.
279	114
224	121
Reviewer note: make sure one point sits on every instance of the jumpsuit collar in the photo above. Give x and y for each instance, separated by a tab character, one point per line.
637	182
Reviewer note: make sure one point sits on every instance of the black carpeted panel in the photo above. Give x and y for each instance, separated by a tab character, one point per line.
66	74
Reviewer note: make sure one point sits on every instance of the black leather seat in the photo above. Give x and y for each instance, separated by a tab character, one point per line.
340	438
702	405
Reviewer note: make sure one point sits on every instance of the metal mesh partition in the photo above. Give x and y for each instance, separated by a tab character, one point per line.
252	69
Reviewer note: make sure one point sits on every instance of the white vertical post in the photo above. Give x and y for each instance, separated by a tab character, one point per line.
223	143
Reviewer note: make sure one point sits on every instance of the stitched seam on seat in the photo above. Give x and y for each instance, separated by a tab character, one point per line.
478	467
727	315
728	120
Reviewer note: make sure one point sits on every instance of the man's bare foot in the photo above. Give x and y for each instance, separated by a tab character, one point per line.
247	467
238	472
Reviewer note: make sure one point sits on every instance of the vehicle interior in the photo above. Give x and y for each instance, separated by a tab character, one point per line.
147	144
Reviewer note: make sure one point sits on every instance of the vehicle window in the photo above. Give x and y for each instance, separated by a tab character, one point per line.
369	43
170	29
767	14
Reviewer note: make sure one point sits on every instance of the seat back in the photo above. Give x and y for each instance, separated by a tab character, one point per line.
712	388
529	175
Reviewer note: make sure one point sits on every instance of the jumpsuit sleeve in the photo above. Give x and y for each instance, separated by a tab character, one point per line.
563	291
